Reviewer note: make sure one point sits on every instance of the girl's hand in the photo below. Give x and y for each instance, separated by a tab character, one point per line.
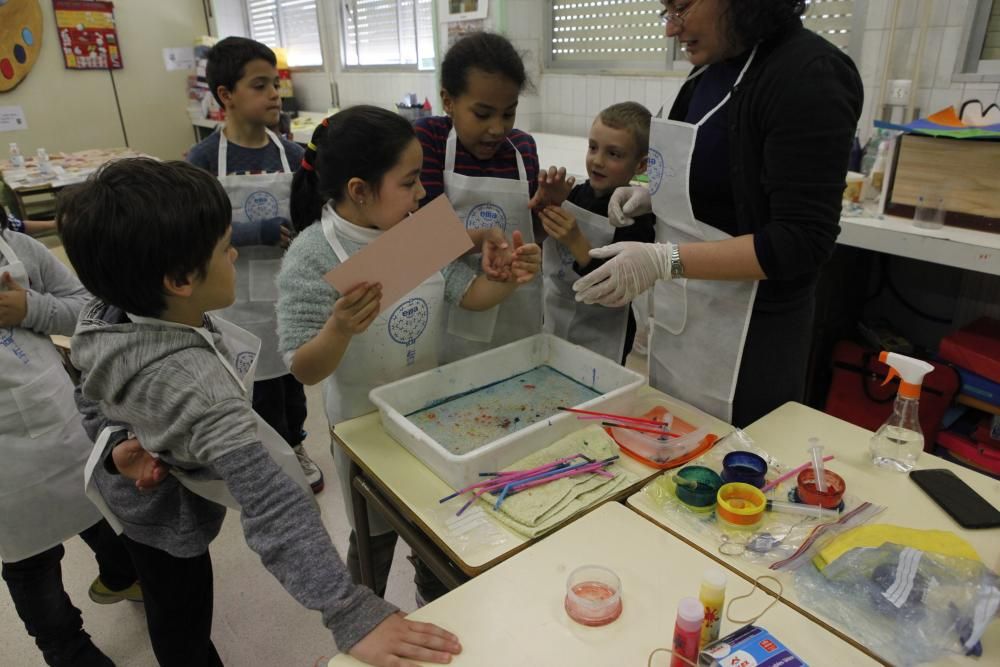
13	302
527	260
560	225
135	463
497	255
354	312
553	188
398	642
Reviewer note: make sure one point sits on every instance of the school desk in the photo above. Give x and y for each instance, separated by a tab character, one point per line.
514	614
406	492
784	434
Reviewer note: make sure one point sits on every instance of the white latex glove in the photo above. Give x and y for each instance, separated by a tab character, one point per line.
628	202
633	268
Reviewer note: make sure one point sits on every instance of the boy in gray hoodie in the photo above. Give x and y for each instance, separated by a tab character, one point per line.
152	241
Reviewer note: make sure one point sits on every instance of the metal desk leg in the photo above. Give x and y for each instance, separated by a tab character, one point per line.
362	533
439	564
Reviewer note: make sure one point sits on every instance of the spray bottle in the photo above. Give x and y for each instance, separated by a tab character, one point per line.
899	441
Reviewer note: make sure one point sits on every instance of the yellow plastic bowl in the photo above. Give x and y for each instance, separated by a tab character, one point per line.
740	505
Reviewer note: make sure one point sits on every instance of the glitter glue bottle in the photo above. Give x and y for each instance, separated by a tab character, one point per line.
687	632
712	597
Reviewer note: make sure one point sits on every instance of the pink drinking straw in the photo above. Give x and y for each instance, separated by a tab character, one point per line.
791	473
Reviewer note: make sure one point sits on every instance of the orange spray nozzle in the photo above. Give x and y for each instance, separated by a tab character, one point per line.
910	372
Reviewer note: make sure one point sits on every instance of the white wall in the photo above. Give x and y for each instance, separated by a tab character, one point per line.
70	110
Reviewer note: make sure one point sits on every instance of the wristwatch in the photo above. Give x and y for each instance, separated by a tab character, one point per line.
676	266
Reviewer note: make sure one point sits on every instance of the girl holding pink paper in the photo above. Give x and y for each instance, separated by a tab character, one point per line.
360	177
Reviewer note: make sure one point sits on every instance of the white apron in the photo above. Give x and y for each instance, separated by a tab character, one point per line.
258	197
42	442
240	360
483	202
402	341
699	326
595	327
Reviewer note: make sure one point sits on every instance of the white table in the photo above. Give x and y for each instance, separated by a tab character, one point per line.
784	434
513	614
410	490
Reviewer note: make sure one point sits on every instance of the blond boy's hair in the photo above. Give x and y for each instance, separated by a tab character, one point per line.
630	116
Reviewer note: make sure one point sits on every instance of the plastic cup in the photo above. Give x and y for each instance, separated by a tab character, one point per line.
810	494
593	595
929	212
744	467
740	505
702	498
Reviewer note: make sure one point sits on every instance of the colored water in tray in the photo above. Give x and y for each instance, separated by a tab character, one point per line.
465	422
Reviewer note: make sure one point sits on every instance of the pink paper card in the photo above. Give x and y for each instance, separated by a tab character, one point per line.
406	255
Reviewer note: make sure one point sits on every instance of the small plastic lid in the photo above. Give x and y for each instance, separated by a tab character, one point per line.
714	578
691	611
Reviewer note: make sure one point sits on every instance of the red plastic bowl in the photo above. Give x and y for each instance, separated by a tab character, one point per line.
810	495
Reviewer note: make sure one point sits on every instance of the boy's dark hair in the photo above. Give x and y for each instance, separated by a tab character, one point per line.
228	59
485	51
136	221
360	142
630	116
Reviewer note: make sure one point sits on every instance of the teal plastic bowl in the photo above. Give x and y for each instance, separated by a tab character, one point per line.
703	497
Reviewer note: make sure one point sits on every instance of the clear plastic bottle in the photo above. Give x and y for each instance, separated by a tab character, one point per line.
16	159
44	164
899	441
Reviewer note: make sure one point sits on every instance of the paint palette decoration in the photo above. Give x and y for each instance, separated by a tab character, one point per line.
20	40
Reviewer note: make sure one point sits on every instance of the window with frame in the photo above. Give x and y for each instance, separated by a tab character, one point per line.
387	33
289	24
989	54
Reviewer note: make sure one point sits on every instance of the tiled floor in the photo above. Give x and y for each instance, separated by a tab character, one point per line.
256	622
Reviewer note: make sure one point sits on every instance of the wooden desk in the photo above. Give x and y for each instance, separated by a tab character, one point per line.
784	434
407	493
513	614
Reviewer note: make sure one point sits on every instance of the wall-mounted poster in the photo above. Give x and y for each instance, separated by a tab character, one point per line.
20	40
87	34
462	10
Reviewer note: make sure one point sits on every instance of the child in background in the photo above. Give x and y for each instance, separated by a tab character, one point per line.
617	151
33	227
255	167
362	179
489	171
43	450
152	241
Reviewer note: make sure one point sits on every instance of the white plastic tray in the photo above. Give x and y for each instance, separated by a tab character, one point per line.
616	384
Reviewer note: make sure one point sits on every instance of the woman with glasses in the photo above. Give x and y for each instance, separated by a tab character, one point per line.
745	179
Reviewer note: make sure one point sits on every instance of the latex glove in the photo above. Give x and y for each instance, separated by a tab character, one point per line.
633	268
627	203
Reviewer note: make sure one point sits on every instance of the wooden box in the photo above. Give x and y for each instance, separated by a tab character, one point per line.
965	172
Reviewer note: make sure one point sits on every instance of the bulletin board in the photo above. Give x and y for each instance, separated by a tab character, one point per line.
87	34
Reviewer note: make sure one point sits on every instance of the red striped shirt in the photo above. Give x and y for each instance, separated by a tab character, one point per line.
433	135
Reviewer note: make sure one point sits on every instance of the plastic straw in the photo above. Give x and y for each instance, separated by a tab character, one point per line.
640	429
513	474
791	473
620	418
816	451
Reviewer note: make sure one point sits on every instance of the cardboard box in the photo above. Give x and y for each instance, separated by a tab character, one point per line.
965	172
750	646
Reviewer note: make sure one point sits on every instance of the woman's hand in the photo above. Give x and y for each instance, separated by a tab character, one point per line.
354	312
627	203
631	270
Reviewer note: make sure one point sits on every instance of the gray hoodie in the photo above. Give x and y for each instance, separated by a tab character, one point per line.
170	388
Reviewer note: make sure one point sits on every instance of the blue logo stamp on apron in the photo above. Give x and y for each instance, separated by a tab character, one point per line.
7	341
407	323
485	216
244	360
260	205
654	170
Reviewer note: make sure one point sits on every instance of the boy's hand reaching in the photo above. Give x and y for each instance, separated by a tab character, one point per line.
354	312
396	641
553	188
135	463
527	260
560	225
